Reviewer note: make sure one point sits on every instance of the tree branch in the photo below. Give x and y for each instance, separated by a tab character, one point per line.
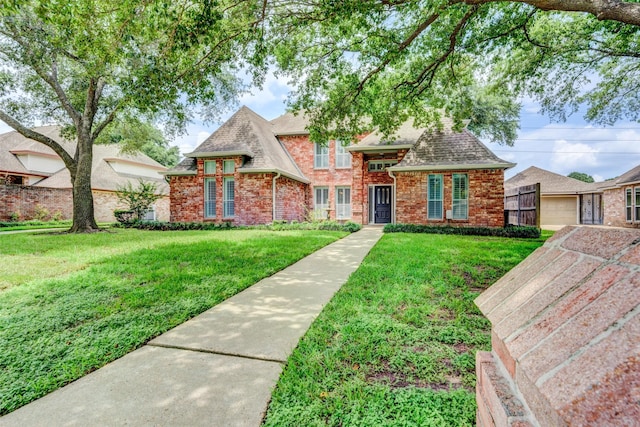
612	10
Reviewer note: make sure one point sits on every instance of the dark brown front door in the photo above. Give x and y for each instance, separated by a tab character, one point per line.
382	205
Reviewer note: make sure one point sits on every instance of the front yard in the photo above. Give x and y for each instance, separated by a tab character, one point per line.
396	345
72	303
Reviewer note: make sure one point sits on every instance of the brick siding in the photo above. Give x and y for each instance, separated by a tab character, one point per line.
614	208
486	197
26	200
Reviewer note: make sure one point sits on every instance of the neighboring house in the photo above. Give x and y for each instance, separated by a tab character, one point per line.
622	199
252	171
563	200
33	175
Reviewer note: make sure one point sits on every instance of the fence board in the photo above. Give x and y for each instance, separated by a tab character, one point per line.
522	205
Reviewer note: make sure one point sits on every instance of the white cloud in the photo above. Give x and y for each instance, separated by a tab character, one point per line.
568	156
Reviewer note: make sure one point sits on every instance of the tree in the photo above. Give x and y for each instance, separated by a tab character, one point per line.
139	199
392	60
86	62
134	135
581	176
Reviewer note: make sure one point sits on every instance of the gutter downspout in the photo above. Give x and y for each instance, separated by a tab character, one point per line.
393	198
273	190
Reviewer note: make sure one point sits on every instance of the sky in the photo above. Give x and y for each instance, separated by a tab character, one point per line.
562	148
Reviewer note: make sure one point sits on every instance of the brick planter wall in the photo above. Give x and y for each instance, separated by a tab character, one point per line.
565	334
24	199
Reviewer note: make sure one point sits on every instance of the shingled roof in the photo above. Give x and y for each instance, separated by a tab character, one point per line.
244	134
550	182
449	149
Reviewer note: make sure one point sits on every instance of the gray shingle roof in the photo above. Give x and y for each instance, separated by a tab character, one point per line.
448	149
291	124
13	142
629	177
550	182
245	133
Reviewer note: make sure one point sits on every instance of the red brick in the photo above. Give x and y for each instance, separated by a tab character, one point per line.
600	242
632	256
501	350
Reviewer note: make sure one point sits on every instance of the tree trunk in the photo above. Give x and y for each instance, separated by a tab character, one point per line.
83	214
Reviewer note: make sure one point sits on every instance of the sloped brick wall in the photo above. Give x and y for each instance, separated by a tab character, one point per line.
565	334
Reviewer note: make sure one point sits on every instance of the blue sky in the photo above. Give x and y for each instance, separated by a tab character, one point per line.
558	147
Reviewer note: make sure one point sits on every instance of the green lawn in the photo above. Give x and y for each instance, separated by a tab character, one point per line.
396	345
71	303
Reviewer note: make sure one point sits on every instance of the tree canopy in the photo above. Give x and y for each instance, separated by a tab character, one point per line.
84	63
581	176
390	61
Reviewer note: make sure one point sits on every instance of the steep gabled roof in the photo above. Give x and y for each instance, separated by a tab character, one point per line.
244	134
12	144
550	182
291	124
449	149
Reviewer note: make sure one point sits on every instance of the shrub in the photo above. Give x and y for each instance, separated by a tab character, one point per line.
15	216
138	199
40	213
57	216
509	231
350	227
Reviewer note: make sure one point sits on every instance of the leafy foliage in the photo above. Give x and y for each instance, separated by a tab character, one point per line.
140	198
581	176
350	227
362	63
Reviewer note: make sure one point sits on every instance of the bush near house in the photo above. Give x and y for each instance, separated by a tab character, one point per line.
350	227
509	231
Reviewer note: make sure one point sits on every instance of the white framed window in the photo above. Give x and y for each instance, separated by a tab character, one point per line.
320	156
343	202
321	202
460	196
380	165
209	167
343	157
209	197
228	197
150	214
629	204
228	166
434	196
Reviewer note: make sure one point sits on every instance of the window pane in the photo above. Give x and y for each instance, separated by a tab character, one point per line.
637	204
229	166
629	208
229	197
460	205
343	157
321	202
343	202
210	167
209	198
321	156
434	196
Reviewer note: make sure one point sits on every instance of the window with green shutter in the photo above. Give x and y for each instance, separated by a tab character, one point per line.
434	197
460	196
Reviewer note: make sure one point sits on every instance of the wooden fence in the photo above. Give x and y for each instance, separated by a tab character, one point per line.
522	205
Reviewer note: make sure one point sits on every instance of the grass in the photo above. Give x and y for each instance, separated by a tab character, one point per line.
72	303
396	345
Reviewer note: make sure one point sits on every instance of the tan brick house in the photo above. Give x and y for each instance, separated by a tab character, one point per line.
254	171
621	199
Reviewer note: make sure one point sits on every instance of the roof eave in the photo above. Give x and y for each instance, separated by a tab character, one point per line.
178	173
380	148
451	167
275	170
200	154
134	162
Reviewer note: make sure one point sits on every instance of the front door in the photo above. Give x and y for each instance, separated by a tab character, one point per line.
382	204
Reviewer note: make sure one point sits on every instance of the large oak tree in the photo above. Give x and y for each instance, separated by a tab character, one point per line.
391	60
85	63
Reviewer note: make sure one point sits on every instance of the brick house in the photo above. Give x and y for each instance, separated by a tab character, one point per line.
254	171
621	199
33	177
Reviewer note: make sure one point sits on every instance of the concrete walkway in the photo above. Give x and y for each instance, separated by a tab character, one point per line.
217	369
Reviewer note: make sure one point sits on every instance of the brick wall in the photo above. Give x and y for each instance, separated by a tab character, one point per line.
253	196
24	199
486	197
614	210
565	327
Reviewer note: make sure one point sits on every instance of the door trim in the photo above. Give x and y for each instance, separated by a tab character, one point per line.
372	203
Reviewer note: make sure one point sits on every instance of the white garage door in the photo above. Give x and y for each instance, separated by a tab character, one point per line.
558	210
